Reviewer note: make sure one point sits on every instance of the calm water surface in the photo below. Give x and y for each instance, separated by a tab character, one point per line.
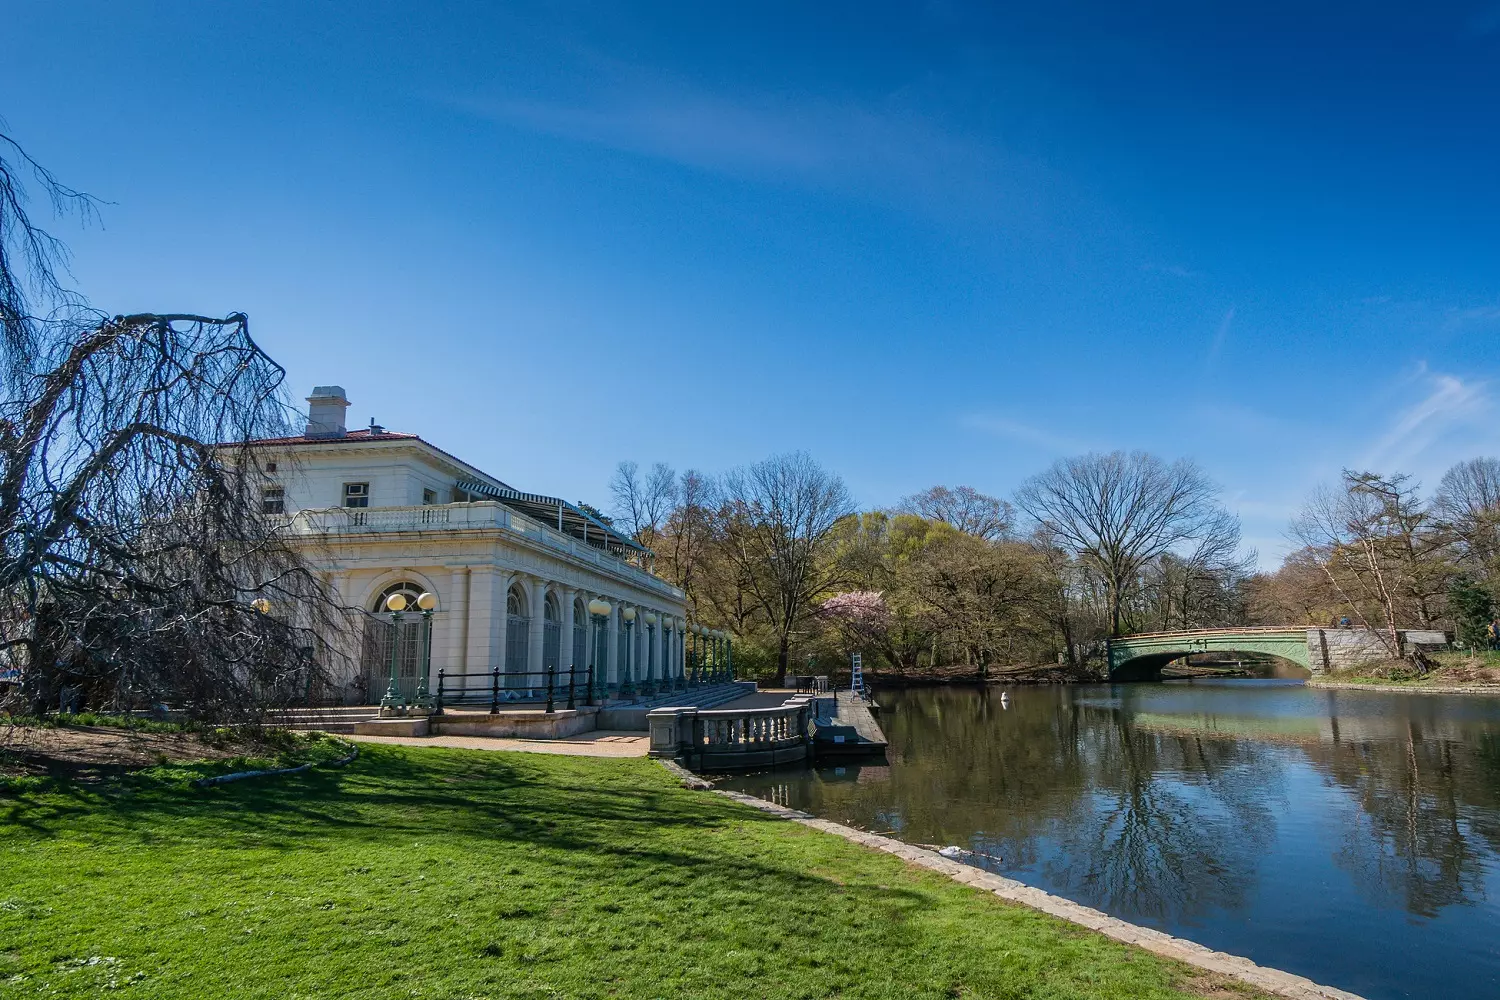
1348	836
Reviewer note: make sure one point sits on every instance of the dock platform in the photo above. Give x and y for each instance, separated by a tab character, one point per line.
845	727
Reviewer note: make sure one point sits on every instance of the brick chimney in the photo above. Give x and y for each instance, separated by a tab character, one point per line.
325	412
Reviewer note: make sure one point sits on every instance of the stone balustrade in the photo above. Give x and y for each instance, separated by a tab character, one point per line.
733	738
484	515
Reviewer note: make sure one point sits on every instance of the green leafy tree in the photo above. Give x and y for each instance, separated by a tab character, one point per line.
1473	608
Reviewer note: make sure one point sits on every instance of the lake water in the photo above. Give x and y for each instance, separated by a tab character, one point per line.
1348	836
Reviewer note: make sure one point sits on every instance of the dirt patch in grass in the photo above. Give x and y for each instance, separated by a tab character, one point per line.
1212	986
84	753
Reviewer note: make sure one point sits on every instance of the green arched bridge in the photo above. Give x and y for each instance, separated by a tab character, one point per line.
1141	657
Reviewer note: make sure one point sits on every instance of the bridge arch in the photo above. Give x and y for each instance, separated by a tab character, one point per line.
1141	657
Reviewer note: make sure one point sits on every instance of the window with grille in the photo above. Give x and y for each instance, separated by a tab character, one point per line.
429	497
356	494
273	500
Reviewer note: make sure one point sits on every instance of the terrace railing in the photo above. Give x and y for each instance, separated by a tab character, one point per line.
733	738
475	516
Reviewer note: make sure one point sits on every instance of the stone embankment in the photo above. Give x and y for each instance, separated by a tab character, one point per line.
1273	981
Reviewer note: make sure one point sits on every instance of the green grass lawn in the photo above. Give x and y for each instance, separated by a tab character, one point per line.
468	874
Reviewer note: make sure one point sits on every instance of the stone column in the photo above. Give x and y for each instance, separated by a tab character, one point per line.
536	597
679	655
668	662
454	608
655	653
485	624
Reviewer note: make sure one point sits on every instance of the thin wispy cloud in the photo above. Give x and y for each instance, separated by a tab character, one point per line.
1216	345
1450	414
1172	270
1023	433
900	147
1481	315
695	130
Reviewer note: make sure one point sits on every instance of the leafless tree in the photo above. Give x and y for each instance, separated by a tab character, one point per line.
644	501
965	508
1199	586
774	525
30	258
1468	502
1117	512
1377	545
688	530
134	552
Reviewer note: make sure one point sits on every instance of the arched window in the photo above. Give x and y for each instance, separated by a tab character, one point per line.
552	648
517	640
580	636
381	635
406	589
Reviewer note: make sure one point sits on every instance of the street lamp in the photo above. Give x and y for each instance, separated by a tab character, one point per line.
600	609
427	603
395	604
627	681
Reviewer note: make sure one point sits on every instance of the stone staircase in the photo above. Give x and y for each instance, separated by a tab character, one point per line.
632	716
621	715
704	697
333	719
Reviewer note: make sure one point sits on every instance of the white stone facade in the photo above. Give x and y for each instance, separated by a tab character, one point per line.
513	573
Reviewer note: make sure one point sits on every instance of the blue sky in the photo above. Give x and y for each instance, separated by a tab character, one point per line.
929	243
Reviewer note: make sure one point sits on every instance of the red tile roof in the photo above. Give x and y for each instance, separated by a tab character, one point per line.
360	435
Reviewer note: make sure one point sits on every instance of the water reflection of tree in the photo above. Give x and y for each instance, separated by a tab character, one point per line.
1178	826
1426	818
1139	821
1146	820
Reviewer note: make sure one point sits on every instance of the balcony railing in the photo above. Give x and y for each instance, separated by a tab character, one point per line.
476	516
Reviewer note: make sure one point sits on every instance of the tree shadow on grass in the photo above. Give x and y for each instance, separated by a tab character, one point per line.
571	815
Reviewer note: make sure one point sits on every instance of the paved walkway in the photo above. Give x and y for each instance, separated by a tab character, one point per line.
601	743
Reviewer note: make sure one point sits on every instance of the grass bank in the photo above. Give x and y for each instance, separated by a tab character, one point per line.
1452	671
467	874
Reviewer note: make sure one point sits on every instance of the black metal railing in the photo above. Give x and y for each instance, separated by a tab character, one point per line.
497	688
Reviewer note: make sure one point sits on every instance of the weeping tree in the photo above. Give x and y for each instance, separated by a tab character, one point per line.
136	567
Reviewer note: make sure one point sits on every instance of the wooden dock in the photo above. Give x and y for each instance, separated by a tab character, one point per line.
845	727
